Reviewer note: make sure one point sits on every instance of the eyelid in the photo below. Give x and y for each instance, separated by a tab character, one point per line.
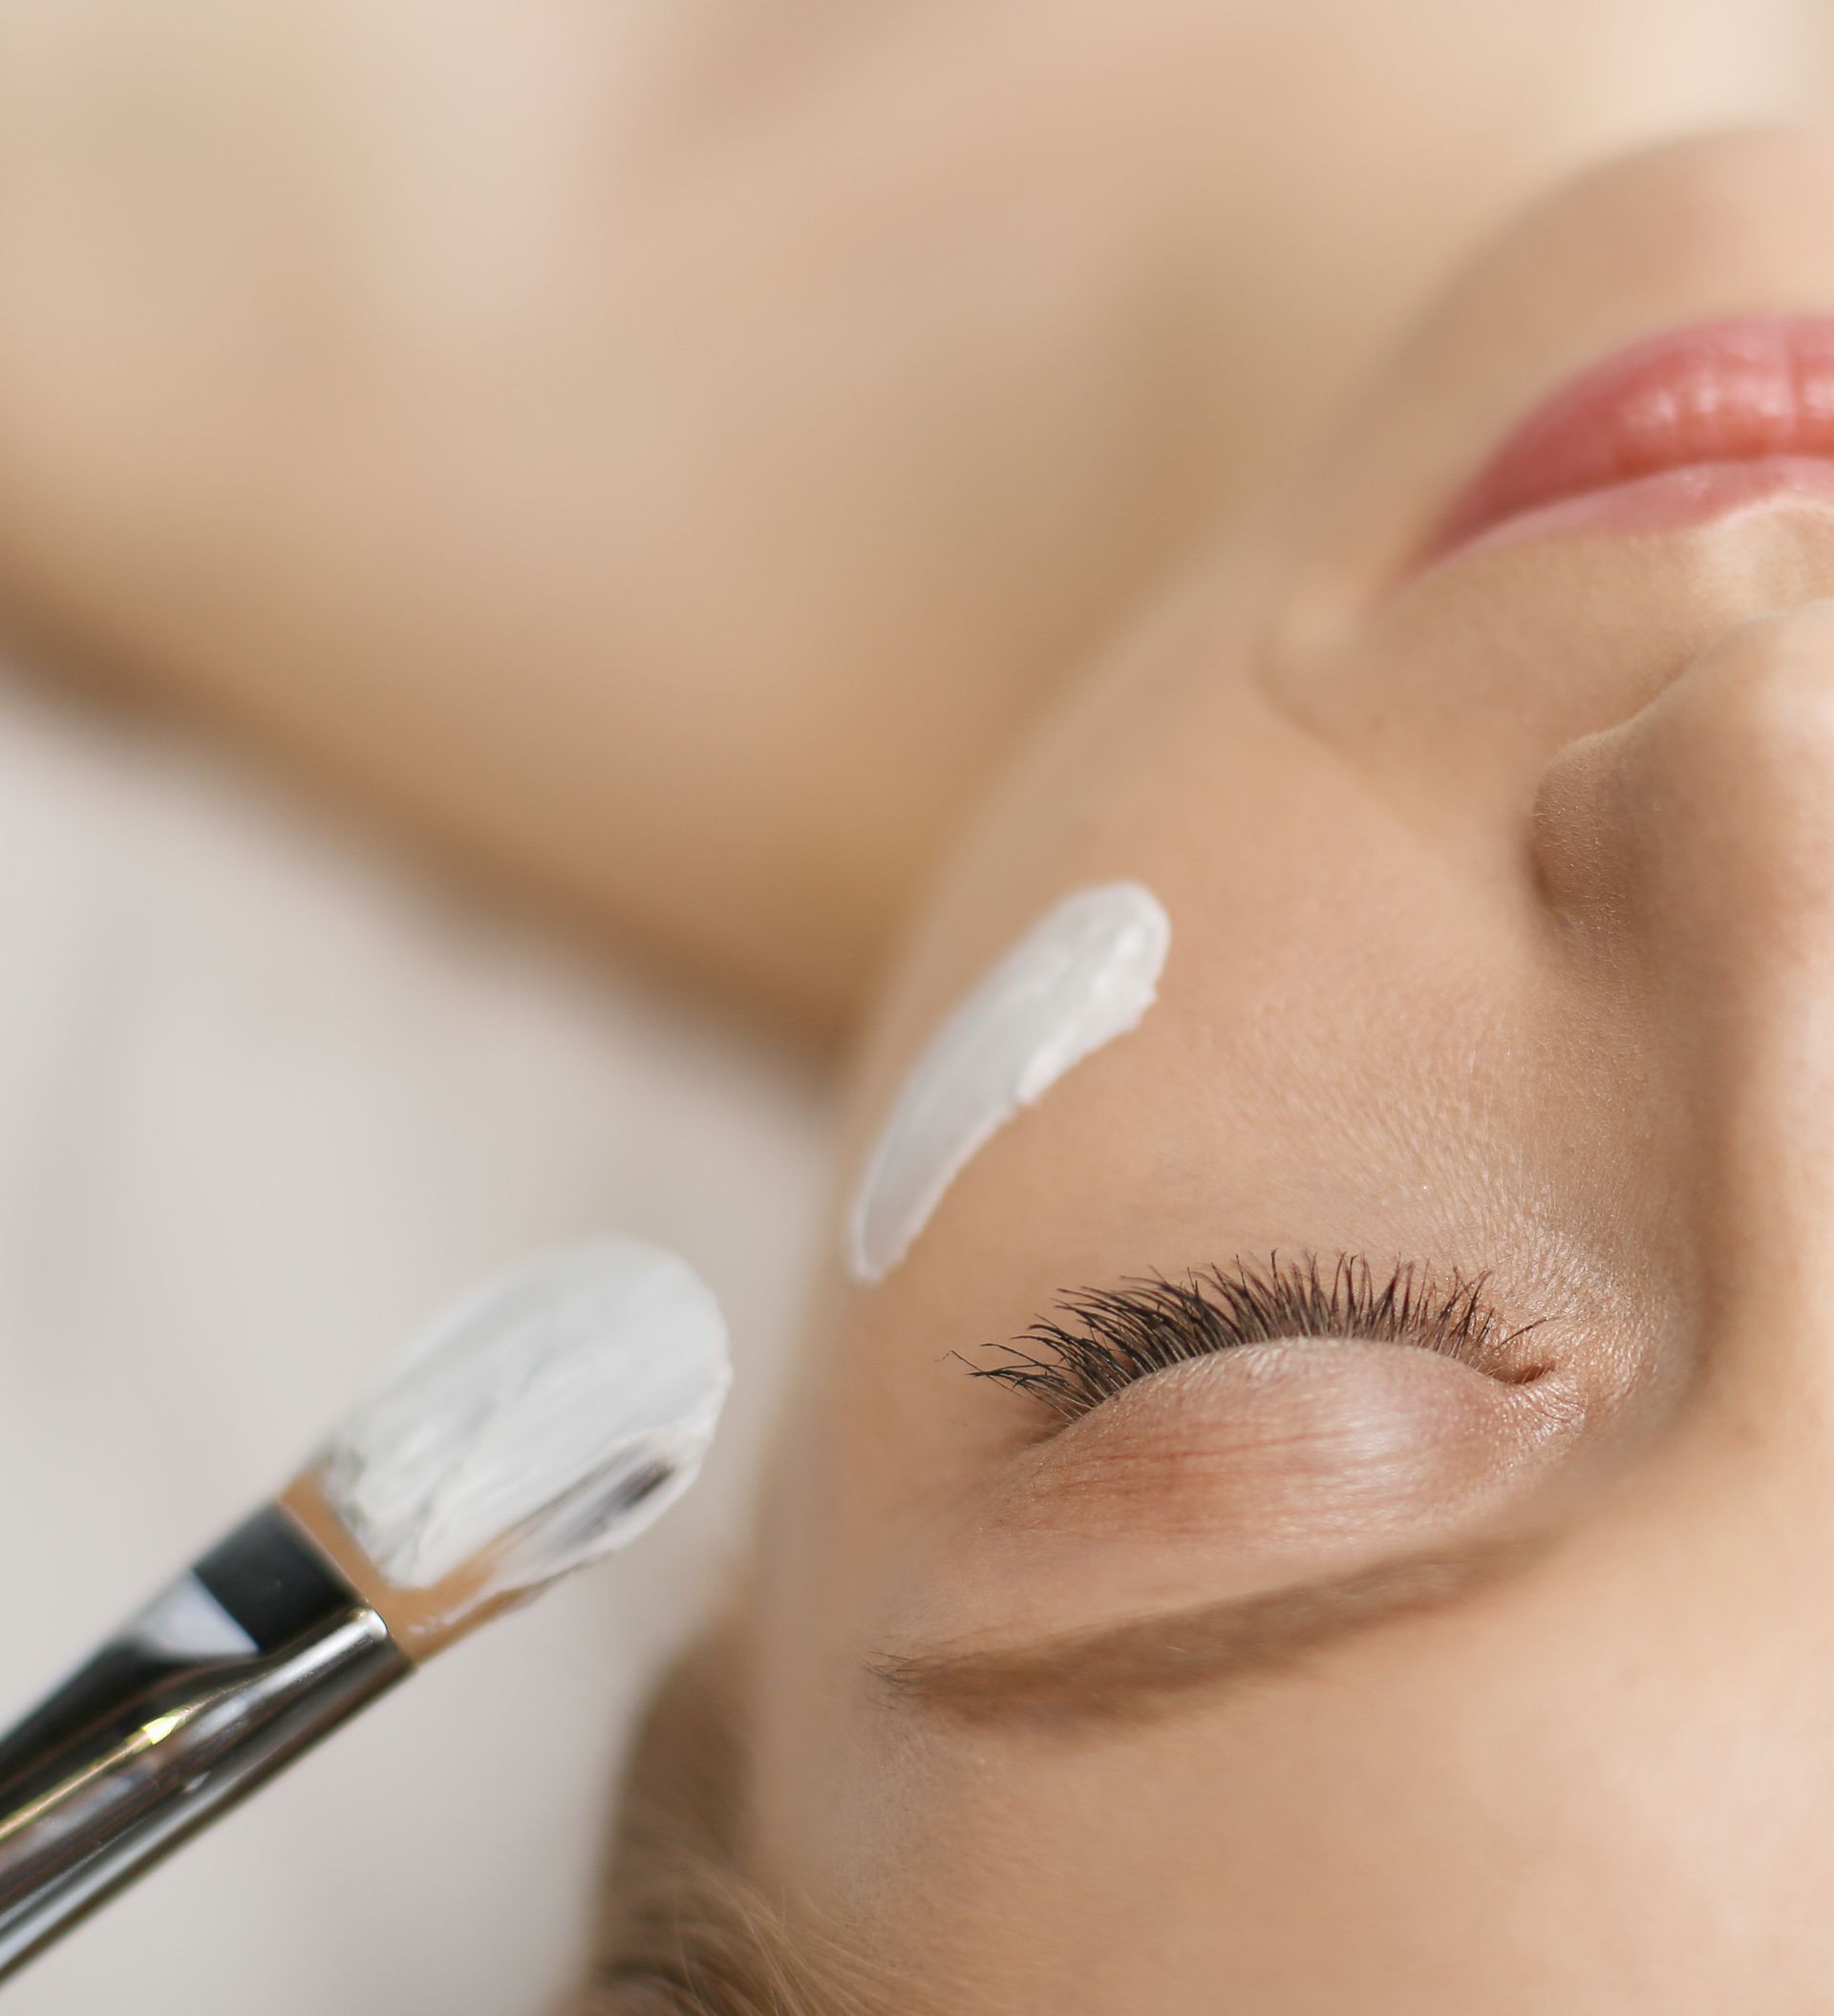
1099	1341
1295	1436
1261	1468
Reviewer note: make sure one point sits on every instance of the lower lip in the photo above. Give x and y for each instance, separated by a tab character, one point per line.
1675	431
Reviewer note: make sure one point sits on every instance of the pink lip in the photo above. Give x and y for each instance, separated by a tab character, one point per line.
1672	431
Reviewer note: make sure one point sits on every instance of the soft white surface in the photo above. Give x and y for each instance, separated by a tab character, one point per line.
266	1097
1082	975
550	1414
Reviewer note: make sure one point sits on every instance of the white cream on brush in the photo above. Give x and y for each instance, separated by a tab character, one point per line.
543	1421
551	1416
1085	974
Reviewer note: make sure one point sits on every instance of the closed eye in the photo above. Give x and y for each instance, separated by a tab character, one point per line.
1097	1342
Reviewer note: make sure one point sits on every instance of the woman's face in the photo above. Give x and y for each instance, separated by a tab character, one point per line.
1448	1664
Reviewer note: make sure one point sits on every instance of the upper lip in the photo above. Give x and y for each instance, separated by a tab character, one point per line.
1722	391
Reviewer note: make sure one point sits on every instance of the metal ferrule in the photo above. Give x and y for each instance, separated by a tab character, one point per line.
242	1664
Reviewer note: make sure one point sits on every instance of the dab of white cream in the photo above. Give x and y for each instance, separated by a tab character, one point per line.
1084	974
548	1417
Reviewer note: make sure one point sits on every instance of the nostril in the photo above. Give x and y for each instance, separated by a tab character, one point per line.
1710	811
1577	869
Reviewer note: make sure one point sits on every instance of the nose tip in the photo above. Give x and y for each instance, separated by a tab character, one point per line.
1702	828
1688	857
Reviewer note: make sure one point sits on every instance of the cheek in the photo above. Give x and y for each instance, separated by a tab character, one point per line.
1084	974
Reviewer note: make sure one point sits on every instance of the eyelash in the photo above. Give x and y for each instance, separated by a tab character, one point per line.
1101	1340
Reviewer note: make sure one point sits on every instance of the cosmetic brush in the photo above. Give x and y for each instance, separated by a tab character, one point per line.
538	1424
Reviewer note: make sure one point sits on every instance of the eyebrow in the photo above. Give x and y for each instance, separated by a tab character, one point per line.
1130	1671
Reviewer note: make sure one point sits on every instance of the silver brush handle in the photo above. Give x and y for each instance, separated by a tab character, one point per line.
188	1709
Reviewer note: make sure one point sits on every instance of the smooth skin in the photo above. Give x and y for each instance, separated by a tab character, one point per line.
647	465
660	456
1504	939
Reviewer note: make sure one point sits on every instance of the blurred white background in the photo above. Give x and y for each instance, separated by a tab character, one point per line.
265	1098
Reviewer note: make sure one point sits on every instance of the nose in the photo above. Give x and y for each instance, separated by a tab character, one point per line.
1686	861
1698	836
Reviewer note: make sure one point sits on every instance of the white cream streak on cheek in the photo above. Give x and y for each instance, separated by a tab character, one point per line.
1084	974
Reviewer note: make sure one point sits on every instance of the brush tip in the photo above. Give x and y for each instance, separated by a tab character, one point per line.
542	1420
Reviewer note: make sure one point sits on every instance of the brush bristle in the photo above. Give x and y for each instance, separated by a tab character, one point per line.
540	1423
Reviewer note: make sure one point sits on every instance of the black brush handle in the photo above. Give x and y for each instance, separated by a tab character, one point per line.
250	1659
